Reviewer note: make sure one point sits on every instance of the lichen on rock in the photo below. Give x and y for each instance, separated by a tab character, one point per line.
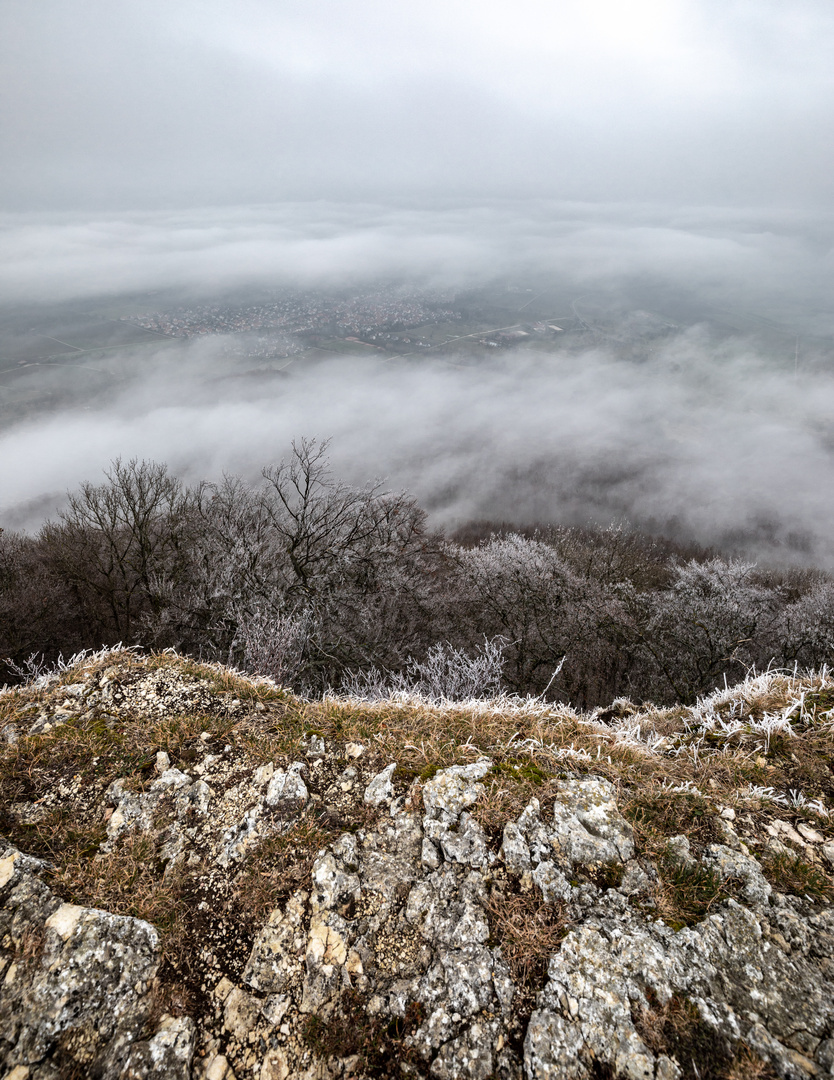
326	906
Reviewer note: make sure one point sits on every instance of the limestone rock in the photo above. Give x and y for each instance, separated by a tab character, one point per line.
75	981
381	789
400	922
728	863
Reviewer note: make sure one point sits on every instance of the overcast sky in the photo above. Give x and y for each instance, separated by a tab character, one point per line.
110	104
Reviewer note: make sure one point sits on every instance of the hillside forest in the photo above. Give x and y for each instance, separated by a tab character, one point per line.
328	587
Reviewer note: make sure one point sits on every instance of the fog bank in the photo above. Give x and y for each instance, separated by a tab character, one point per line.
771	259
705	441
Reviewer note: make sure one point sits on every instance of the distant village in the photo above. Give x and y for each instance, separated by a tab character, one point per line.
363	315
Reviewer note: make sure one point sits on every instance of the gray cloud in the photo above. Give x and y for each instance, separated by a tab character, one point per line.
754	256
116	104
707	441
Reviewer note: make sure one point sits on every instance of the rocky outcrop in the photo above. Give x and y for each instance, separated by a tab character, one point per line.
76	987
397	953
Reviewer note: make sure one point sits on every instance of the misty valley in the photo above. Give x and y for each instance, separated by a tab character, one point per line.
416	540
585	487
54	355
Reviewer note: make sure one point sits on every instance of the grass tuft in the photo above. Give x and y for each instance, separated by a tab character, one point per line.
528	931
677	1030
789	873
378	1042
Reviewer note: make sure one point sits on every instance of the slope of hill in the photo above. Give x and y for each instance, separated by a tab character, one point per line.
205	876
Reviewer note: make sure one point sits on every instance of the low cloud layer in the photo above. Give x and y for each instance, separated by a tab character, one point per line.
773	260
705	442
666	155
725	438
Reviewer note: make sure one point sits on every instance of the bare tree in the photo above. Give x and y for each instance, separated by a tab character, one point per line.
326	527
349	565
37	609
116	540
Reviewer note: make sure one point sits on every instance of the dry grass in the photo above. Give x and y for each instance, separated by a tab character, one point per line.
278	866
224	680
130	881
676	1029
686	891
657	813
792	874
60	835
529	931
376	1041
30	946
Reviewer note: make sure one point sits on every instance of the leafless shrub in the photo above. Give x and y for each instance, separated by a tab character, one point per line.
446	674
273	643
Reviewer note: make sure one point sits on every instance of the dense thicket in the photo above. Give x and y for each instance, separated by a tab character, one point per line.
320	585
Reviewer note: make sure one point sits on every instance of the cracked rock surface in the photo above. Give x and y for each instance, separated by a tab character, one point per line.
390	955
76	986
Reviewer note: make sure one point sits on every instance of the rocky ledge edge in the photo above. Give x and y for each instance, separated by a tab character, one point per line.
386	960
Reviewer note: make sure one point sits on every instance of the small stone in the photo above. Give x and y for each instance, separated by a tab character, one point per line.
162	763
7	868
678	848
354	750
429	856
828	852
809	834
288	789
275	1007
316	747
381	789
802	1062
347	779
274	1066
218	1069
240	1013
263	775
223	989
825	1054
728	813
786	831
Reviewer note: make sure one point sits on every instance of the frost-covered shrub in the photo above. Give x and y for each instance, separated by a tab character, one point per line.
521	589
307	578
273	643
446	674
707	625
